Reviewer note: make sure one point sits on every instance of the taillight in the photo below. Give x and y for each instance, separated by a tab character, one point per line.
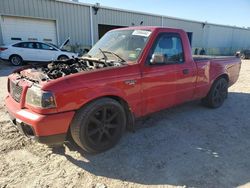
2	49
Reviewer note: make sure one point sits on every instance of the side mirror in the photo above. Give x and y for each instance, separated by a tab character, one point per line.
51	48
157	58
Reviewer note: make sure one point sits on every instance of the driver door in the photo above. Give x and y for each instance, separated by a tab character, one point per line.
160	80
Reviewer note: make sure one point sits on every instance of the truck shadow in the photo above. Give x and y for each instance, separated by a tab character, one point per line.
187	145
5	68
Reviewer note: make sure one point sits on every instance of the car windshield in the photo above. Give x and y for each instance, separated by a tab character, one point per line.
53	45
126	44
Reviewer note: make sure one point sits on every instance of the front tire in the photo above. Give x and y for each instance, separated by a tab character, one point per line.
63	58
99	125
16	60
242	56
217	94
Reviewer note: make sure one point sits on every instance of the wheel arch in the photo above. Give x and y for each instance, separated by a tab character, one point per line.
124	103
207	99
223	76
63	55
129	114
15	55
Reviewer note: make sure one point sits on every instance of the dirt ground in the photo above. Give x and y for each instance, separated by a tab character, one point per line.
186	146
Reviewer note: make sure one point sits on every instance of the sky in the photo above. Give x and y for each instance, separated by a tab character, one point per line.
226	12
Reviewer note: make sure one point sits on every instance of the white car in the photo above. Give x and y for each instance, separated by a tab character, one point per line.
34	51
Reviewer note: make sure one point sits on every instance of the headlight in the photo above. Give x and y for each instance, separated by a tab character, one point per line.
38	98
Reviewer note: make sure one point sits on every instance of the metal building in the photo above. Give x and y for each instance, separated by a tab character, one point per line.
55	20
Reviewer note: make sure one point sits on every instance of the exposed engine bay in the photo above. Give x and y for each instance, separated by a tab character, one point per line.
57	69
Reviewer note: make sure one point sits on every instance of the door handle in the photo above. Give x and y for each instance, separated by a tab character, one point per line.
185	71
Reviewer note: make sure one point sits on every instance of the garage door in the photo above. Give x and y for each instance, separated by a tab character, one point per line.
28	29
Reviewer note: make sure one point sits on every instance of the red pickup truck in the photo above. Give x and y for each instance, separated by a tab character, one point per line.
129	73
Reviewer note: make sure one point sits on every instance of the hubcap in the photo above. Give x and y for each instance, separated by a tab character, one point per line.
15	60
103	124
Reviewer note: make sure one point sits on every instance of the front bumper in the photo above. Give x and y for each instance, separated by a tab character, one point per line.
48	129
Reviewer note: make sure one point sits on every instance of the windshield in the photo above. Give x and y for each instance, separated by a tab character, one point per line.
127	44
53	45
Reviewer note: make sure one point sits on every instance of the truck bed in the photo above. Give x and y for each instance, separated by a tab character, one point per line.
209	66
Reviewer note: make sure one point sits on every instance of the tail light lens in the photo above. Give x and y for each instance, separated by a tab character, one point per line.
2	49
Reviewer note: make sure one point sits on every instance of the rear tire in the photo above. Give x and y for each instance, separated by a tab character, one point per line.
99	125
16	60
217	94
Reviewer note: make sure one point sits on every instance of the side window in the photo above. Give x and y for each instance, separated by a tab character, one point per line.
19	45
31	45
45	47
25	44
167	50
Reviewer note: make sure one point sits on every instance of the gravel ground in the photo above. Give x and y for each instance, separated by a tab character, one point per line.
186	146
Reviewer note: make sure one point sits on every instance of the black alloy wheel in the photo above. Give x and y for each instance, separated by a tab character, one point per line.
98	126
217	94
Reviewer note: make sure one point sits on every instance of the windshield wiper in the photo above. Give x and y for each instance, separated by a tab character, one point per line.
119	57
104	52
104	55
